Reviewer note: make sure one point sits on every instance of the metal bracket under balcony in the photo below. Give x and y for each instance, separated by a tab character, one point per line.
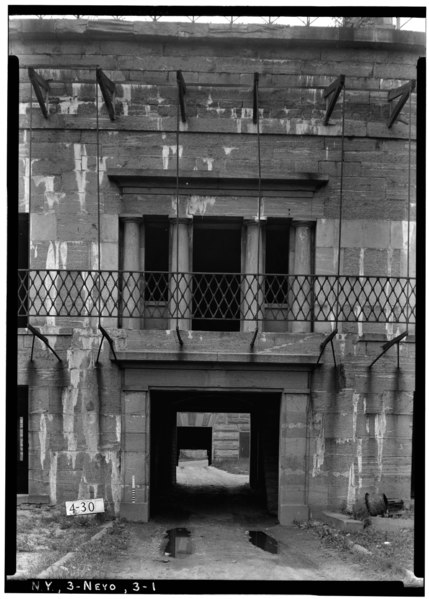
105	335
42	338
396	341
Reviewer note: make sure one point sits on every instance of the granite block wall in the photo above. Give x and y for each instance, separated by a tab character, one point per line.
359	427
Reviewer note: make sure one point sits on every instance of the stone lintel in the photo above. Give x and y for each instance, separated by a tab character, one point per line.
212	180
303	360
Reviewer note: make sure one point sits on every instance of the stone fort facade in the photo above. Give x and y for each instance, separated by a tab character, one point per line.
195	238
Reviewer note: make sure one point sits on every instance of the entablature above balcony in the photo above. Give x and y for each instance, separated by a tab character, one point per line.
132	181
213	194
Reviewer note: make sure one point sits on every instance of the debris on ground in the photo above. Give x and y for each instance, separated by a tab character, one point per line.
387	551
377	505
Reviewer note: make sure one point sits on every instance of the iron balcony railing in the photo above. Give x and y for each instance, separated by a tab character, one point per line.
216	296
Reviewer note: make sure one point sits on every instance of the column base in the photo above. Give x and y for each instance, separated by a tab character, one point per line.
135	512
289	512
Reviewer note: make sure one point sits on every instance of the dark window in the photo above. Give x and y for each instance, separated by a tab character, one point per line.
216	282
194	437
22	439
22	253
244	444
157	241
276	262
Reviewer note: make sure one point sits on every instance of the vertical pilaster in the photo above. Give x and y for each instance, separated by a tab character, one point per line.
109	261
131	297
135	456
180	283
302	288
293	458
252	286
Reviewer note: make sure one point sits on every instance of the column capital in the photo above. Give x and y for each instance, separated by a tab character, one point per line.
303	223
182	220
253	220
134	218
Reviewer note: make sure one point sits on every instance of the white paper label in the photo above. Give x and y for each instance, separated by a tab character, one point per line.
82	507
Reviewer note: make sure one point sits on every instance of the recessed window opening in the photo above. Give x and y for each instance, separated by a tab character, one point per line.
156	250
276	262
216	282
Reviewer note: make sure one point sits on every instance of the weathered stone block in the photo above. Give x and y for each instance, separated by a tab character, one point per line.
136	464
288	514
135	402
109	228
43	227
352	233
339	425
109	256
134	423
326	233
291	491
135	512
294	454
134	441
39	399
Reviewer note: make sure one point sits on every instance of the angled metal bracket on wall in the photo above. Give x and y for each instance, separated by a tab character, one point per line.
404	92
41	88
182	91
324	343
331	94
255	334
42	338
106	335
108	89
255	98
388	345
179	338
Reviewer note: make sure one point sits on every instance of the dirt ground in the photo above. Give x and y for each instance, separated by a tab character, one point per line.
216	514
45	534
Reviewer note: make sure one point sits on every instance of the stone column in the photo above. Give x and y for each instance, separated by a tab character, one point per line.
131	296
252	287
302	288
180	283
293	458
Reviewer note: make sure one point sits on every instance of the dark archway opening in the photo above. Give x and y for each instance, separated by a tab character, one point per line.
168	494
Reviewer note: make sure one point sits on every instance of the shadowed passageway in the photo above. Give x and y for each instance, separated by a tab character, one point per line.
204	491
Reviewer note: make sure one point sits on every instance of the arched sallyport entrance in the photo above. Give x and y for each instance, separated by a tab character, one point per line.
264	411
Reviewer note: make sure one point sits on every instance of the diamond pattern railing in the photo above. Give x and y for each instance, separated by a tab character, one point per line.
216	296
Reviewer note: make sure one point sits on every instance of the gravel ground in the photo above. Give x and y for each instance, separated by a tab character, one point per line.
387	552
218	510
